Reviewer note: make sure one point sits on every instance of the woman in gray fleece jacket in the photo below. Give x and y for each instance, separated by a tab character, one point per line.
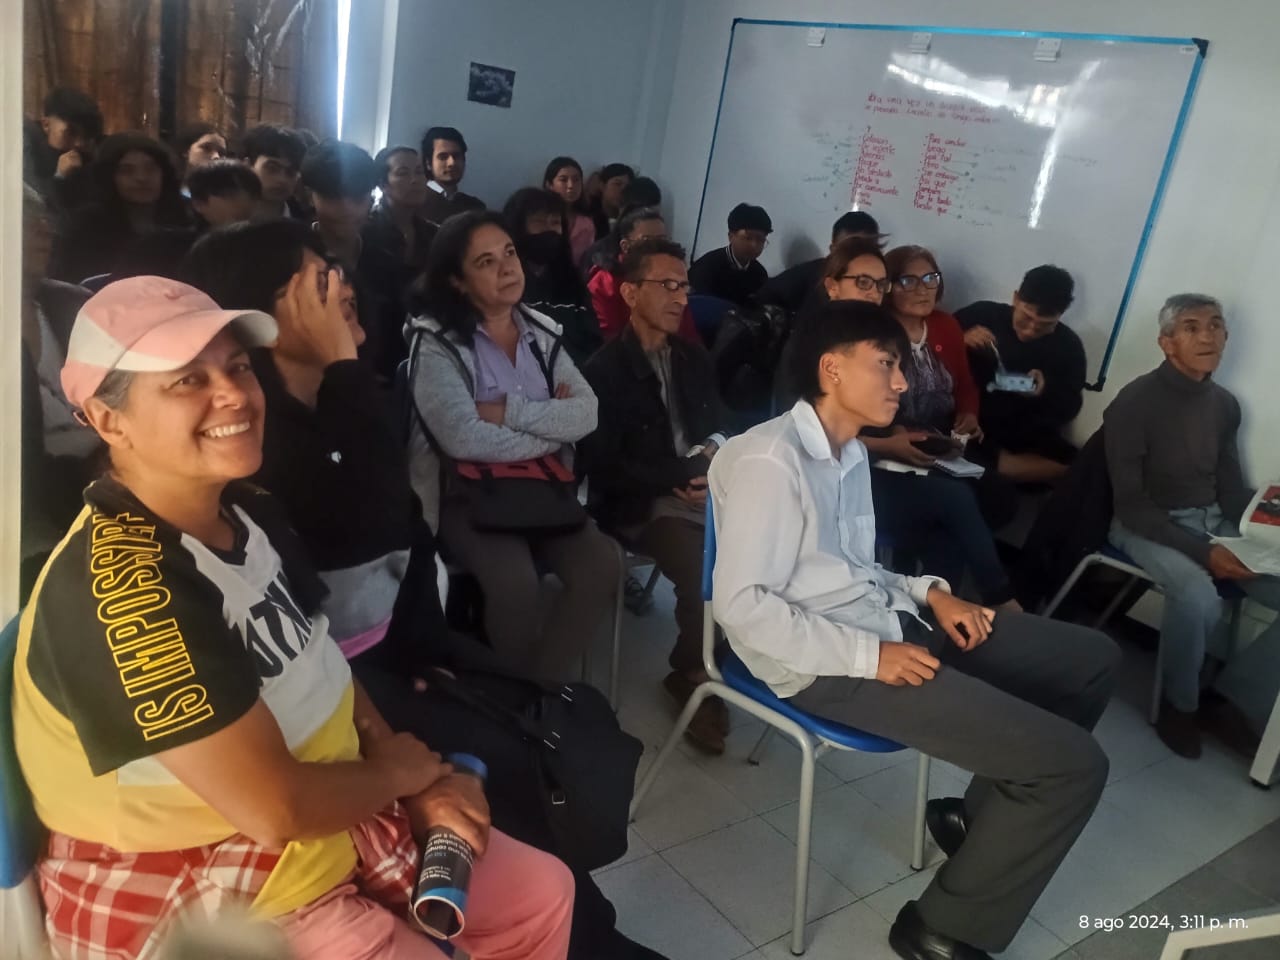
481	385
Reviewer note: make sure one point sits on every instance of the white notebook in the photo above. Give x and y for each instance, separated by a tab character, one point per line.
960	467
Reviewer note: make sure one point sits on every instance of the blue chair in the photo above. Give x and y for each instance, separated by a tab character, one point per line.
1115	558
708	312
21	833
734	683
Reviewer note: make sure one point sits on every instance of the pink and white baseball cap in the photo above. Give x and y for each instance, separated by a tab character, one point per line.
149	325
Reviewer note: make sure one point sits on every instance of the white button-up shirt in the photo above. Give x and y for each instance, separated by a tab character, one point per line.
796	586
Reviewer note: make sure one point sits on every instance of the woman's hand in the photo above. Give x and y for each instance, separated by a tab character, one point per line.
901	446
967	425
562	391
495	411
406	762
456	803
314	329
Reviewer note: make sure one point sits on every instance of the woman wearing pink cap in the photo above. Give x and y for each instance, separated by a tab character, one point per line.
190	733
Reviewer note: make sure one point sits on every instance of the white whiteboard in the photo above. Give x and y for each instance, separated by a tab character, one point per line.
995	160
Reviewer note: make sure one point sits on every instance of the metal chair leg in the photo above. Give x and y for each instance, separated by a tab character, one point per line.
803	837
1065	589
1263	770
757	751
700	693
652	582
1118	599
1157	685
922	797
617	628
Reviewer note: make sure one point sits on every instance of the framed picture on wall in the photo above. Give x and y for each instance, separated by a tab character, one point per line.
491	85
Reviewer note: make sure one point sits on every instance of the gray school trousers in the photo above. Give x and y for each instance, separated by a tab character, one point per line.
1017	711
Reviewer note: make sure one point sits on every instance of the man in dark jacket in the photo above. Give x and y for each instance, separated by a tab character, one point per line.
1024	430
659	417
734	272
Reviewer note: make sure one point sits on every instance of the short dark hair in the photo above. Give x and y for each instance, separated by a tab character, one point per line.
836	325
435	294
335	168
627	222
641	192
637	258
556	165
441	133
242	266
1049	289
187	137
896	260
270	140
77	108
222	177
848	250
611	170
746	216
525	203
856	222
382	160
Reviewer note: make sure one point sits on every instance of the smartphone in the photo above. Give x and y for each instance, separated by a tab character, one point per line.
936	446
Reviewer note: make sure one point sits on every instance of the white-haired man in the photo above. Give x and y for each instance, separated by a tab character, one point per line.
1177	482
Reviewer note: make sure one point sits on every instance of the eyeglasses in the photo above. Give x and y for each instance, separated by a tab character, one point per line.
865	282
672	286
909	281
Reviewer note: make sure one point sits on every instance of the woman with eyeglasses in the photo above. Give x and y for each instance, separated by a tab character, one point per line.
933	519
491	384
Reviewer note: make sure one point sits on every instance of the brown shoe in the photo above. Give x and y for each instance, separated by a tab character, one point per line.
1222	719
1179	731
710	724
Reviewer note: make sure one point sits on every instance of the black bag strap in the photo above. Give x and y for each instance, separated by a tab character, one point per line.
501	714
547	364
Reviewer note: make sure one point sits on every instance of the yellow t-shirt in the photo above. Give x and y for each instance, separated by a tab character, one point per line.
139	639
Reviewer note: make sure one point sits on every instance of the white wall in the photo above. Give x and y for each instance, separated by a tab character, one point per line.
593	78
1219	226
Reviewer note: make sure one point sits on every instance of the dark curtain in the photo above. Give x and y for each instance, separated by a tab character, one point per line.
232	63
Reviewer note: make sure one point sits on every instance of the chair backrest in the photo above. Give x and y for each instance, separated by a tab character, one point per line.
707	313
708	551
20	831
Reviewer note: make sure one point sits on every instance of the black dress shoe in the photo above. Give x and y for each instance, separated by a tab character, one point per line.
912	939
947	822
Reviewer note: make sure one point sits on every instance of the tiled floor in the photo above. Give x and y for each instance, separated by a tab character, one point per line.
709	872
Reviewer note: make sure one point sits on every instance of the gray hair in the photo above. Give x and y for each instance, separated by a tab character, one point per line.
114	388
1179	304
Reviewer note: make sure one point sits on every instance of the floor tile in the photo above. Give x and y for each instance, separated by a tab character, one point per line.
894	788
864	846
854	764
856	931
889	901
1255	862
637	849
772	783
658	908
1034	942
747	872
684	803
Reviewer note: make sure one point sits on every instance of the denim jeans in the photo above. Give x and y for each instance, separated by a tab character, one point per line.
1192	621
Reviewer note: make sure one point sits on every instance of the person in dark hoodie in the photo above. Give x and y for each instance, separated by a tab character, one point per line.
734	272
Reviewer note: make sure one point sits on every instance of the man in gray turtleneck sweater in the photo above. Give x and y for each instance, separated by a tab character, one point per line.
1176	481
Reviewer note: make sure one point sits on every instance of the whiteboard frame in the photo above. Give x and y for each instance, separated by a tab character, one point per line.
1161	183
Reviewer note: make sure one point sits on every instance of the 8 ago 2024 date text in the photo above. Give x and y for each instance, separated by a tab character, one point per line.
1160	921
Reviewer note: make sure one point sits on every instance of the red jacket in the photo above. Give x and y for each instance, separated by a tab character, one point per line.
947	340
614	314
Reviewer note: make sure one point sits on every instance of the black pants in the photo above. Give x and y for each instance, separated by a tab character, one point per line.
445	726
1017	711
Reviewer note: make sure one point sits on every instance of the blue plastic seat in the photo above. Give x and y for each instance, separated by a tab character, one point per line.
21	833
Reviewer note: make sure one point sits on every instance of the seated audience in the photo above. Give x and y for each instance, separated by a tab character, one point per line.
58	453
58	150
933	520
445	153
275	154
356	513
564	178
606	206
605	285
801	285
535	219
341	178
1174	463
197	145
809	611
943	399
396	224
1023	432
660	423
491	384
138	194
253	746
640	193
222	192
734	272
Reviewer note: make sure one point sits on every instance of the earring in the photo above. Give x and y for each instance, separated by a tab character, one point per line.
835	380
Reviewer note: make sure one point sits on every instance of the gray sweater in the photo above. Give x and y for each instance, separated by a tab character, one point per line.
532	428
1171	444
